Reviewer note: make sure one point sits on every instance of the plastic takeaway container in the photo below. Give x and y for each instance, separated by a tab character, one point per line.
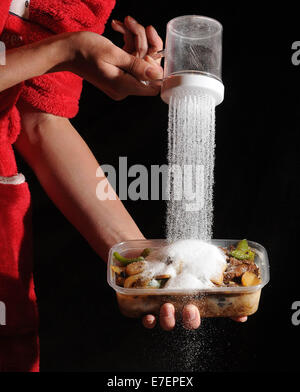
219	301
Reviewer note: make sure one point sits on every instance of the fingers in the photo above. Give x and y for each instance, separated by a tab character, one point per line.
118	84
118	26
138	40
140	68
135	87
149	321
129	44
191	317
151	60
140	37
155	43
167	317
240	319
137	67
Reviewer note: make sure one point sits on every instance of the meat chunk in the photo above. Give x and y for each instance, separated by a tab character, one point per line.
236	268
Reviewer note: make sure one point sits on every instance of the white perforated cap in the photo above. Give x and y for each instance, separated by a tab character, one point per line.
177	84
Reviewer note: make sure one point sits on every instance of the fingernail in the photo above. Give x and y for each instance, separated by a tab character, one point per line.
130	18
150	320
192	312
166	310
193	315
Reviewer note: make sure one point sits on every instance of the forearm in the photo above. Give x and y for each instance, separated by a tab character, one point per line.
49	55
66	168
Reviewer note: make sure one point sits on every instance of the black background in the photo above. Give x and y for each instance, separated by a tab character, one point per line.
256	197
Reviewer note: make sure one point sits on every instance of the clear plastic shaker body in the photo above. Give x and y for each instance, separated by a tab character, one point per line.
193	52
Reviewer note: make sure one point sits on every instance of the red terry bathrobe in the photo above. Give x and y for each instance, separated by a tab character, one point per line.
23	22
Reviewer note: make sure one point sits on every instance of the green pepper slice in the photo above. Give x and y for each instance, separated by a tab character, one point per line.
242	245
243	251
240	255
125	260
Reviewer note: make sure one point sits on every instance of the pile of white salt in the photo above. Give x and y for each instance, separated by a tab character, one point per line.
191	264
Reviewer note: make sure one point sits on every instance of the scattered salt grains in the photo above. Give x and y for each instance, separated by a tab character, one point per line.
183	350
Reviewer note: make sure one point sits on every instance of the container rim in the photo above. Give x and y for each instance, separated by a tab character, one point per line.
263	263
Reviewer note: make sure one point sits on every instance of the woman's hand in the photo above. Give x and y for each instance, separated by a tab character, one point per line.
115	71
111	69
190	317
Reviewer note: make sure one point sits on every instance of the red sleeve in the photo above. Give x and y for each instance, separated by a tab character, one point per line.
4	7
64	15
9	116
59	93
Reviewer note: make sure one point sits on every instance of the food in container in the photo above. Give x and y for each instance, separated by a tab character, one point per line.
222	278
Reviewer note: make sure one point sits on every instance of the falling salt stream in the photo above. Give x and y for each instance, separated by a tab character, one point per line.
191	145
192	87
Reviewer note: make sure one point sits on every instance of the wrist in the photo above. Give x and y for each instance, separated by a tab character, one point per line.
65	51
76	50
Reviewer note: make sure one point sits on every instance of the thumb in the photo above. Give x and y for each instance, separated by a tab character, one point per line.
140	68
